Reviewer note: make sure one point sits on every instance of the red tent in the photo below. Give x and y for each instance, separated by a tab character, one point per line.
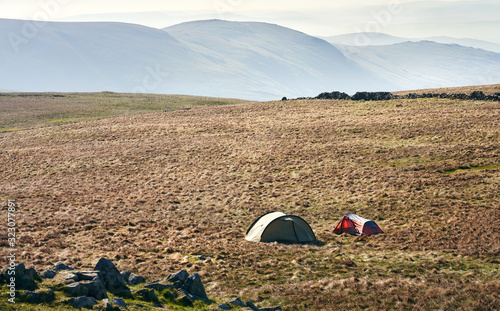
353	224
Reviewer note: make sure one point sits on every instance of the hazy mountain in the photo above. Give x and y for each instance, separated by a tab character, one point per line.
272	59
214	58
377	38
427	64
224	59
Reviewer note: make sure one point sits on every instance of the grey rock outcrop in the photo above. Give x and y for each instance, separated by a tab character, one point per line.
179	276
22	280
94	288
48	274
112	279
194	286
135	279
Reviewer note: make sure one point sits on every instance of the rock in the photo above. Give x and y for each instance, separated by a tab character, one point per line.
36	297
238	302
252	306
33	275
48	274
82	302
60	266
224	307
126	275
23	281
94	288
120	302
278	308
194	286
136	279
147	294
71	278
179	276
112	279
86	275
157	286
333	95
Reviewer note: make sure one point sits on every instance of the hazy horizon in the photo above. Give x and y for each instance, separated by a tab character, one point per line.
404	18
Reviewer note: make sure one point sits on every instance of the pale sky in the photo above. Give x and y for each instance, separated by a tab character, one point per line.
478	19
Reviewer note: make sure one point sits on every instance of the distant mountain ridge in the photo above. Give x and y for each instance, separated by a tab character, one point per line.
248	60
377	38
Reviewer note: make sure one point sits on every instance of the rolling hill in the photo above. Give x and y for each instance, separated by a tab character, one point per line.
229	59
427	64
247	60
377	38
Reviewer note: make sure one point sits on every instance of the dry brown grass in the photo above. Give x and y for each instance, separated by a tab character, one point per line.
486	89
151	191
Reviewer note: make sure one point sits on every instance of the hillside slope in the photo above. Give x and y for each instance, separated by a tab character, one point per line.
166	191
229	59
427	64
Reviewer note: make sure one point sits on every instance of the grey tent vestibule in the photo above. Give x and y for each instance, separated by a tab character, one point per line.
280	227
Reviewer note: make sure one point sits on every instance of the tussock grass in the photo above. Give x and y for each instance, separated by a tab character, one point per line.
152	191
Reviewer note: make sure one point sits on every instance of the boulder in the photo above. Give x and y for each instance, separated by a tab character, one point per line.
86	275
60	266
179	276
82	302
36	297
33	275
112	279
94	288
23	281
126	275
48	274
136	279
194	286
120	302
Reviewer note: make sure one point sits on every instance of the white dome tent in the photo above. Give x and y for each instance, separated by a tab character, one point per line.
280	227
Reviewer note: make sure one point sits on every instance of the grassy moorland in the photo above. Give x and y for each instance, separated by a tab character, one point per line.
153	191
20	111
